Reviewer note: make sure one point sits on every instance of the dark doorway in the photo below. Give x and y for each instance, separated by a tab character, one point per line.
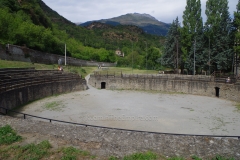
103	85
217	91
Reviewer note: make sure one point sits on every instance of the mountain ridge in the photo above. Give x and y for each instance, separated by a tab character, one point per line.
145	21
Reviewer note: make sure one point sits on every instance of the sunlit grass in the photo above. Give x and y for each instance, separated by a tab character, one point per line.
119	70
84	71
18	64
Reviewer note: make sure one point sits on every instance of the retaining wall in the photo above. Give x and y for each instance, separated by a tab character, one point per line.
18	53
193	86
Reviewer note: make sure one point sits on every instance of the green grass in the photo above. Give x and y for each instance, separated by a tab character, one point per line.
29	151
33	151
84	71
218	157
196	158
119	70
8	135
43	150
17	64
71	153
176	158
141	156
138	156
238	107
53	106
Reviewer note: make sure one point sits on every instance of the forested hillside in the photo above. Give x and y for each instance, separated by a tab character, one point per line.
35	25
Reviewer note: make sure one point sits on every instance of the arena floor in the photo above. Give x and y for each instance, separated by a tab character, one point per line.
142	110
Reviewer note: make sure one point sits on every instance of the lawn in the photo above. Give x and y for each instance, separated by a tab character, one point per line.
74	69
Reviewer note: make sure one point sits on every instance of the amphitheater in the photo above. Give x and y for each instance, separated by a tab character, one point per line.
172	115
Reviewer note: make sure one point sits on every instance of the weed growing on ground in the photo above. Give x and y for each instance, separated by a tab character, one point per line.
8	135
141	156
33	151
73	153
54	106
218	157
196	158
138	156
238	107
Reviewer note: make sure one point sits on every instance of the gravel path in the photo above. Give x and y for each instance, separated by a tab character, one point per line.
139	110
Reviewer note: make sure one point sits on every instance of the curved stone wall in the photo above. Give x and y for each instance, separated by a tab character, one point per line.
23	95
204	87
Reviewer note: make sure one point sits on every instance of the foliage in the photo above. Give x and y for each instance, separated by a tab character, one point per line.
209	47
8	135
219	30
172	46
192	36
35	25
237	27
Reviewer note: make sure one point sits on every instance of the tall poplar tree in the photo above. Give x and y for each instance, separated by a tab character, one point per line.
237	28
237	36
172	53
220	33
192	36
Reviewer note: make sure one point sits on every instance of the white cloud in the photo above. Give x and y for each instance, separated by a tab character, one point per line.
87	10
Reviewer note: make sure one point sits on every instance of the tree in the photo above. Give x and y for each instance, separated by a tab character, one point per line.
172	46
237	33
192	36
219	28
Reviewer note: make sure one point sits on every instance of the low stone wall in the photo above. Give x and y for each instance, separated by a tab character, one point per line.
20	96
112	142
193	86
17	53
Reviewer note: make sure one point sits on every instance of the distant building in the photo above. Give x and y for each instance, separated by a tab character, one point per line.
119	53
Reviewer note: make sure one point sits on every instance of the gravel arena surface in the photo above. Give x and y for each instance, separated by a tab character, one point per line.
142	110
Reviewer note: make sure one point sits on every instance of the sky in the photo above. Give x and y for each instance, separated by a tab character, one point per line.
89	10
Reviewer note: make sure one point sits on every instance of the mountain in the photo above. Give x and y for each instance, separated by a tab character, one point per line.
148	23
32	24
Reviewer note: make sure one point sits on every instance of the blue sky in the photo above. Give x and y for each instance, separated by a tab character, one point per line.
88	10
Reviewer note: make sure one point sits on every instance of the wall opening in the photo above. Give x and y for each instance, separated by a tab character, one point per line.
103	85
217	91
